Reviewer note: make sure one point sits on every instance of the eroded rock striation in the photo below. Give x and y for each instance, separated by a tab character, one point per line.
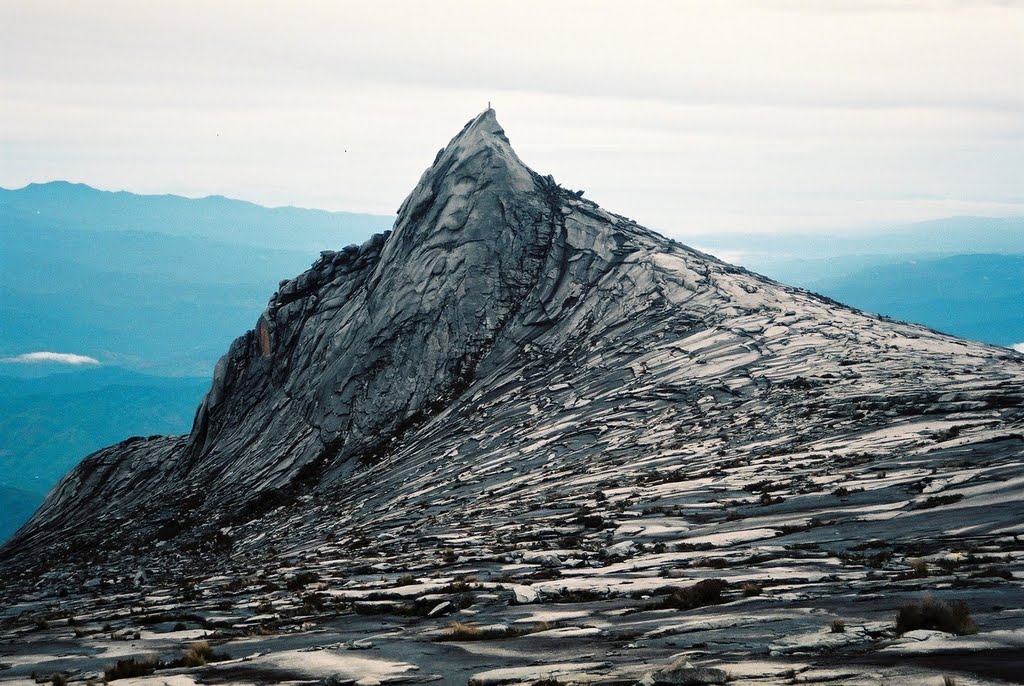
518	384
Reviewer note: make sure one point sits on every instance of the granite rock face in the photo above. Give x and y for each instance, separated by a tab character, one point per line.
517	381
504	310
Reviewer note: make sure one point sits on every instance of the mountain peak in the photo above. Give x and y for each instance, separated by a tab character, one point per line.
527	382
478	157
481	128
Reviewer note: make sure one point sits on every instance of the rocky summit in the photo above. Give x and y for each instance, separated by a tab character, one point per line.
522	439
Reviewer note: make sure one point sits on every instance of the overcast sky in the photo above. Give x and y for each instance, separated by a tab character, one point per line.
687	116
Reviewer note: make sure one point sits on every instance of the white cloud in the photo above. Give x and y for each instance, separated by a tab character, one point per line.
1019	347
52	358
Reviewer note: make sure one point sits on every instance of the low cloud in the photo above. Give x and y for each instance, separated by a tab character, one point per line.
51	358
1019	347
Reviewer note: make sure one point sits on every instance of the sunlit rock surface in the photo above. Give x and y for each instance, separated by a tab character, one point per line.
504	443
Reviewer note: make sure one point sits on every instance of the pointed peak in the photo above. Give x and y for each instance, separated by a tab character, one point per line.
483	129
479	152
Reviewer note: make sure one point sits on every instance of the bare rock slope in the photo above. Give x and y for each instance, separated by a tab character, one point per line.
518	385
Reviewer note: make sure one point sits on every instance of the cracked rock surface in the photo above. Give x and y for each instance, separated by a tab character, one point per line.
520	438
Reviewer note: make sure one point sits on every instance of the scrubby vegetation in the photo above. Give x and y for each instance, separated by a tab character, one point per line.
919	567
701	594
130	668
198	654
929	613
460	631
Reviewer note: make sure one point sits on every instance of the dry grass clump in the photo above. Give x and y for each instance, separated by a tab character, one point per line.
929	613
197	654
838	626
460	631
131	668
751	589
919	567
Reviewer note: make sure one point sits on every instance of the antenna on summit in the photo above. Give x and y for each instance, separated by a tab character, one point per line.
488	104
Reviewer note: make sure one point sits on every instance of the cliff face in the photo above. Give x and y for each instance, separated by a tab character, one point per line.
508	341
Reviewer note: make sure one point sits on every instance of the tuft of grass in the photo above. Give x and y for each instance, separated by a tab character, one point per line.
993	571
948	680
58	679
751	589
929	613
130	668
701	594
197	654
919	567
460	631
838	626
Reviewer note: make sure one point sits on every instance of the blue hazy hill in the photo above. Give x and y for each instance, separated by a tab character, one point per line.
49	422
64	205
980	297
155	283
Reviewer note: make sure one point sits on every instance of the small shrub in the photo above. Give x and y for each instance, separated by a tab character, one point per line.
314	602
261	630
129	669
838	626
929	613
42	624
701	594
459	631
457	586
993	571
301	580
751	589
948	681
576	595
197	654
405	580
58	679
920	567
937	501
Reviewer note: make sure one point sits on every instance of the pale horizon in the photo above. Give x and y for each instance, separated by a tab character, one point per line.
689	118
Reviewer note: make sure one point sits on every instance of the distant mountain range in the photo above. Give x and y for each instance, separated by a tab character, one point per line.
980	297
64	205
960	275
159	284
